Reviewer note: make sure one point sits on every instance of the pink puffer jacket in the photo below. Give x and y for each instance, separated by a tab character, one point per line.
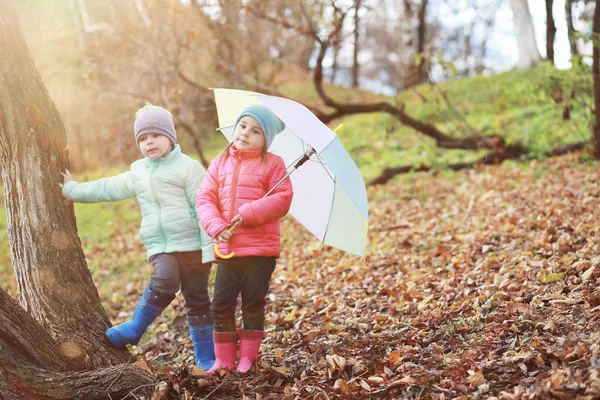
235	185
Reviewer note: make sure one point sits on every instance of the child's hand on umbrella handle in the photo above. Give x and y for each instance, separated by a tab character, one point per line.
237	220
224	236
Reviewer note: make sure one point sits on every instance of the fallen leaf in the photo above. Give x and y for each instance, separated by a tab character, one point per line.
586	275
143	364
475	378
550	277
364	384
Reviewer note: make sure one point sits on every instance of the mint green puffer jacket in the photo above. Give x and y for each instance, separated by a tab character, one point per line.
166	192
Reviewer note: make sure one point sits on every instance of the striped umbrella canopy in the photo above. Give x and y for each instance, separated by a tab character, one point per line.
330	198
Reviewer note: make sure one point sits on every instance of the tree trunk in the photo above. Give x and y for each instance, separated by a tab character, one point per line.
334	61
304	55
571	27
407	41
34	366
357	4
53	280
596	75
550	31
414	43
54	283
421	37
529	55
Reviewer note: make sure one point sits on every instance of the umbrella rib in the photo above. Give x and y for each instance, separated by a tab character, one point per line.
307	147
330	211
224	127
320	161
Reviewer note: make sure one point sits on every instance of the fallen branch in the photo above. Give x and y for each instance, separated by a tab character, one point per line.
493	158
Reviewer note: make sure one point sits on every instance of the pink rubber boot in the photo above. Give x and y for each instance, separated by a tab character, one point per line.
249	345
225	349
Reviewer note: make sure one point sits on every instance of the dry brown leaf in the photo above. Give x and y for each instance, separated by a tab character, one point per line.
143	364
586	275
395	357
475	378
364	384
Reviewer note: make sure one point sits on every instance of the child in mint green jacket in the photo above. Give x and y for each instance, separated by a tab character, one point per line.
165	183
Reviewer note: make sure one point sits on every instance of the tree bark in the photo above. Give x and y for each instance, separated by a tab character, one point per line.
571	27
494	158
413	42
34	366
355	50
550	31
53	280
529	55
334	59
421	37
118	382
596	75
54	283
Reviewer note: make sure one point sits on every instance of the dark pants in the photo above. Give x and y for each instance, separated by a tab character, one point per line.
185	270
249	276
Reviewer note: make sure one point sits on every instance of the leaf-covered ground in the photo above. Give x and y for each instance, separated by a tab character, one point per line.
478	284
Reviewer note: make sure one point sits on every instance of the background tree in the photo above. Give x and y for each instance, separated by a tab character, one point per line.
65	329
570	27
356	44
550	31
169	52
529	55
596	73
413	31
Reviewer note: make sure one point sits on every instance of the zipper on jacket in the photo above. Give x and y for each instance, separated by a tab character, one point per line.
160	222
236	176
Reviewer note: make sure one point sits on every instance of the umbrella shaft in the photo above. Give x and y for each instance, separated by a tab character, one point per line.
301	161
305	158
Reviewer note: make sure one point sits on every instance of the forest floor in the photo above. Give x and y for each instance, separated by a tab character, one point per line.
477	284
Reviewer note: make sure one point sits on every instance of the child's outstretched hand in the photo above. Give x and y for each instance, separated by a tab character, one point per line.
66	178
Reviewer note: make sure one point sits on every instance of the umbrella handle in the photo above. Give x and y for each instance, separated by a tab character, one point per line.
225	256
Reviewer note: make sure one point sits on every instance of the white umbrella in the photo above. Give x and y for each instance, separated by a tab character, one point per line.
330	198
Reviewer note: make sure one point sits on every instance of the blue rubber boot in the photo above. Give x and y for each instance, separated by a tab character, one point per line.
201	330
130	332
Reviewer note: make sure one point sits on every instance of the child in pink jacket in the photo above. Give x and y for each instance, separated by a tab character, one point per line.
231	193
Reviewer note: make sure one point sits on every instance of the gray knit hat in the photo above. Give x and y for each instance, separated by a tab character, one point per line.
154	119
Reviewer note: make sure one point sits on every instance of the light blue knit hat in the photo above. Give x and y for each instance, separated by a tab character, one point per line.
268	121
154	119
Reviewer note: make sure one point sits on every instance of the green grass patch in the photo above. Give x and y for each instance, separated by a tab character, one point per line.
520	106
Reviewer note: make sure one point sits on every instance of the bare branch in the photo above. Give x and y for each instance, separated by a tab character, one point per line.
143	13
86	21
310	31
194	136
494	158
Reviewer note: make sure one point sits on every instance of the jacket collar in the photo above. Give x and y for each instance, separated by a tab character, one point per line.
169	158
239	154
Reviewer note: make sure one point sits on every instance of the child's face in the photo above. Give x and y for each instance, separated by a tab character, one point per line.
154	145
248	134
